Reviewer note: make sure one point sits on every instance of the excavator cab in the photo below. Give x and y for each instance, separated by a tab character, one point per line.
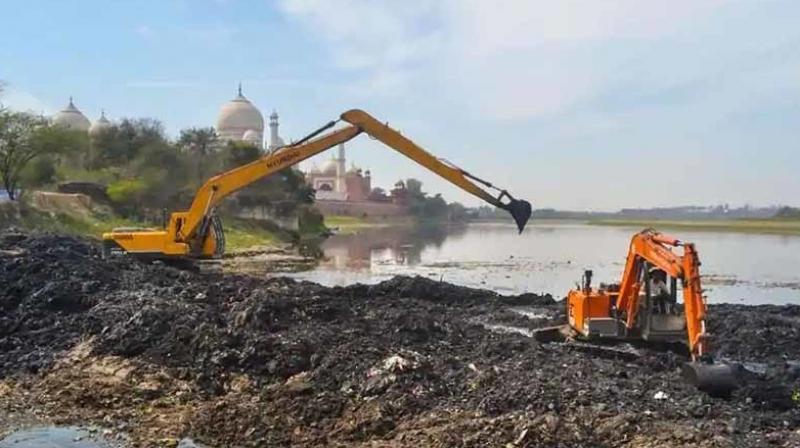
660	313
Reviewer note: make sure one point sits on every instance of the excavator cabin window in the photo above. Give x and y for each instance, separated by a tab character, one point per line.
660	290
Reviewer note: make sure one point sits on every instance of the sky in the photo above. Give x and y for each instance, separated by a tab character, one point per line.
572	104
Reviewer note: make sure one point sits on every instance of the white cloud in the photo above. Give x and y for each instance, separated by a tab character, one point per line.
370	34
504	24
594	85
509	59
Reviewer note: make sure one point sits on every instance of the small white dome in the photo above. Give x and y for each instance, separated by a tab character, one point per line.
72	119
252	136
101	125
237	117
329	167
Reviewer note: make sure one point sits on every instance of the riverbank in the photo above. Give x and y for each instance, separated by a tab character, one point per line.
766	226
159	354
241	235
349	225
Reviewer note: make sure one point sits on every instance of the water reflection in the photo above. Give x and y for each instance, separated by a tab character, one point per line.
550	257
403	245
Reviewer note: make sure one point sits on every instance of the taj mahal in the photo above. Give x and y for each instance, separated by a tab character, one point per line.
237	120
241	121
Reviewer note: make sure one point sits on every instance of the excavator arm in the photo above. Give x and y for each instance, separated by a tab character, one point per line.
187	232
223	185
653	248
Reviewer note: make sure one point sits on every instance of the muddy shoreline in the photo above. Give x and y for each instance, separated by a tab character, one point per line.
158	354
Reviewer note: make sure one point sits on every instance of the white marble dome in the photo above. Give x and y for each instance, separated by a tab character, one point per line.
101	125
329	167
239	116
72	119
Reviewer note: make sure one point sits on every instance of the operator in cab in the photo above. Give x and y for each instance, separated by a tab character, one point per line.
662	299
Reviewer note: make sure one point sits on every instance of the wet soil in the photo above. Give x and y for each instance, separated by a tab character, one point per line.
233	360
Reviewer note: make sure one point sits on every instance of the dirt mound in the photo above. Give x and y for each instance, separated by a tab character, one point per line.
238	360
72	204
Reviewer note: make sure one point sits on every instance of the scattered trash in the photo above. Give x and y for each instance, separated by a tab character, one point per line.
276	362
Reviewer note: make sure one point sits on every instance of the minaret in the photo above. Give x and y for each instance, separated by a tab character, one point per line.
340	170
274	140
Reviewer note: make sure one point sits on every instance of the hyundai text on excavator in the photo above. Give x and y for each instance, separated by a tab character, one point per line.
620	311
197	232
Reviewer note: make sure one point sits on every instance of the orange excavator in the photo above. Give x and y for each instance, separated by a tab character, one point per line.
642	306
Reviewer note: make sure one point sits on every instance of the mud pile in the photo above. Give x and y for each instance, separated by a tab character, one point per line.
161	353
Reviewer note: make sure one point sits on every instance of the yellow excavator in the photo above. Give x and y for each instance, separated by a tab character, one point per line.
197	232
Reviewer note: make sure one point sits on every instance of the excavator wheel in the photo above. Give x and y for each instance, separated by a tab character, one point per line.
715	379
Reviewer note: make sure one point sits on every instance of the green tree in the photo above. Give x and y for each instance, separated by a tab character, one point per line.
414	187
239	153
63	146
54	146
788	212
423	207
41	171
282	192
23	138
127	195
200	144
166	173
121	143
456	212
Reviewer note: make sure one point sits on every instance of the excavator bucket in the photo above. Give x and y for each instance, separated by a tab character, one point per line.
715	379
521	211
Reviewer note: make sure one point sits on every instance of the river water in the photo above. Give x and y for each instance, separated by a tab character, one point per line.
550	257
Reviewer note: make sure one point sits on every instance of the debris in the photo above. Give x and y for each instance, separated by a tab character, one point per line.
243	361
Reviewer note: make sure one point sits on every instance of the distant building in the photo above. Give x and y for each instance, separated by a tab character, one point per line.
338	190
71	118
332	182
349	192
101	125
240	120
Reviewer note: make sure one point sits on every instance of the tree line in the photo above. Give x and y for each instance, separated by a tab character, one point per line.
143	170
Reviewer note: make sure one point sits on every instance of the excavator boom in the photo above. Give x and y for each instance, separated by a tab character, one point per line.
197	233
520	210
